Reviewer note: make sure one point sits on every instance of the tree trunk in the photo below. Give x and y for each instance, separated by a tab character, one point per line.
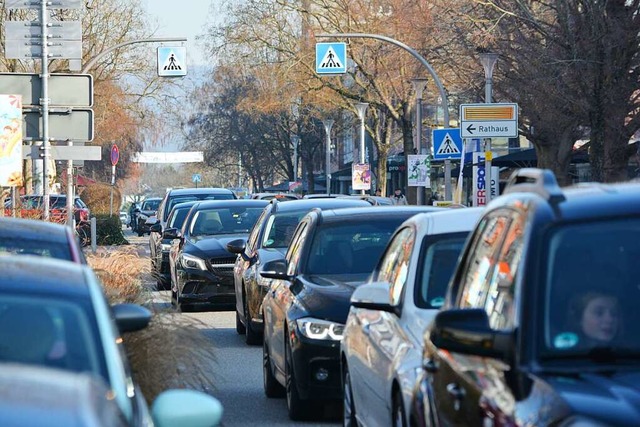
556	156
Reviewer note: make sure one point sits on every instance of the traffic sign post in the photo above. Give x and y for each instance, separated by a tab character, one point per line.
172	61
65	90
331	58
196	178
489	120
115	156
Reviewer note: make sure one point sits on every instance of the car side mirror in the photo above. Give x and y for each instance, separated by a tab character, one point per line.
275	269
374	296
196	408
131	317
237	246
467	331
171	233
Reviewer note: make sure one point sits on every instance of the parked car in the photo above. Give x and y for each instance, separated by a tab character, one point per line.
124	218
283	197
268	240
305	309
170	199
201	266
381	352
540	325
160	260
20	236
148	209
54	314
31	206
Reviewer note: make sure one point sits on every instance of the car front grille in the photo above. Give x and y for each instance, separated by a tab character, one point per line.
222	265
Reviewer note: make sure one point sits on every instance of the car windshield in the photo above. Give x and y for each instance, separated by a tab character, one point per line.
439	257
39	247
350	248
194	197
208	222
50	332
151	205
591	290
280	228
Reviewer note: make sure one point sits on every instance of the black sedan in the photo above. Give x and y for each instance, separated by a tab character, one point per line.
268	240
201	266
305	310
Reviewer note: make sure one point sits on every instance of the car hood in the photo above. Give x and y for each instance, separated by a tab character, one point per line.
611	398
327	297
214	244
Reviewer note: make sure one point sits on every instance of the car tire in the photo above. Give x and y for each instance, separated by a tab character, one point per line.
251	337
299	409
398	415
240	328
349	406
272	388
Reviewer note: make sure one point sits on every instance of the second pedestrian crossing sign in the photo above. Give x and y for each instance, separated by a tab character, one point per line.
331	58
447	144
172	61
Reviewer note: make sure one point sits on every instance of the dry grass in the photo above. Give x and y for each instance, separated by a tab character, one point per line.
172	352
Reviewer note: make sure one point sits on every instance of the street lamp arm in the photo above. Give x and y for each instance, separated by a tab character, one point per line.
413	52
89	65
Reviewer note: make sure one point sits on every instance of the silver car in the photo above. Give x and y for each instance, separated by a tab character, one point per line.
382	346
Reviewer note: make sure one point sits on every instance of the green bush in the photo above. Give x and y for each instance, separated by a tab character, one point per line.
109	230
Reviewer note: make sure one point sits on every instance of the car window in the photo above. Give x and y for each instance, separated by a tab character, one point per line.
295	249
500	305
208	222
280	228
438	259
35	246
252	241
177	218
150	205
395	262
474	289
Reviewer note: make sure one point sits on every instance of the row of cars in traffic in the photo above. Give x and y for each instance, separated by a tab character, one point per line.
62	356
521	313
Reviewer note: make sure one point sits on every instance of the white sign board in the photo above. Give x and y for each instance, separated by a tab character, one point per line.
169	157
418	170
489	120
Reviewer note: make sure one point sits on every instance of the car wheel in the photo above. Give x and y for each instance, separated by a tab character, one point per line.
299	409
240	328
252	337
272	388
398	413
174	298
349	407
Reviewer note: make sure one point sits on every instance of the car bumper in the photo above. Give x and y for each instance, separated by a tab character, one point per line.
313	358
198	286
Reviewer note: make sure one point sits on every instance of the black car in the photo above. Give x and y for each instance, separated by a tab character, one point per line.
170	199
306	307
540	325
148	209
268	240
160	260
201	266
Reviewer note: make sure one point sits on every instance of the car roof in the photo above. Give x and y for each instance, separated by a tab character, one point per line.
447	220
247	203
38	275
326	203
151	198
32	228
205	190
364	213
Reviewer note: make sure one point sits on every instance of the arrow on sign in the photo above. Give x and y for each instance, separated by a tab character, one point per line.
470	129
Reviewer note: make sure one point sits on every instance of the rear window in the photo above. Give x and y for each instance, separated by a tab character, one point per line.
194	197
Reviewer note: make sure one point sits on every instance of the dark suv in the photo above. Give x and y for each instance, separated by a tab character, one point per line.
540	325
158	245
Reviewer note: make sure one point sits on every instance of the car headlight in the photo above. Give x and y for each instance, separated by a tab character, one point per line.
190	261
165	246
318	329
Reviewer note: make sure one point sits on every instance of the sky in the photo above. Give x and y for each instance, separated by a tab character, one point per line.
182	18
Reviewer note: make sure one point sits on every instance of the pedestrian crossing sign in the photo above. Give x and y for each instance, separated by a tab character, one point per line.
331	58
172	61
447	144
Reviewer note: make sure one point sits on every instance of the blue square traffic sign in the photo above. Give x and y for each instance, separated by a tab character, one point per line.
447	144
331	58
172	61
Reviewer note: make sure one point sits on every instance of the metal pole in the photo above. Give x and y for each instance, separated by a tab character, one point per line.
295	159
447	179
328	123
113	183
44	102
488	61
436	79
361	107
418	86
93	234
70	195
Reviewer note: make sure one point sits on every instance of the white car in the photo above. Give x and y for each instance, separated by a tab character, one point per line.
381	351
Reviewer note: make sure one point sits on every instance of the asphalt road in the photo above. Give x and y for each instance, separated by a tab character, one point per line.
238	380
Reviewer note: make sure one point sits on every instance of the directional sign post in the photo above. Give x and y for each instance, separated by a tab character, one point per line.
489	120
68	90
331	58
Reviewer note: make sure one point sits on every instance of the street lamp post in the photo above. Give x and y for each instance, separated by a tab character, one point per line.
328	123
419	86
488	61
361	107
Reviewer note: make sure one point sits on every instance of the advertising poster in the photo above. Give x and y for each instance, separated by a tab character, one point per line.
479	190
361	176
10	141
419	166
